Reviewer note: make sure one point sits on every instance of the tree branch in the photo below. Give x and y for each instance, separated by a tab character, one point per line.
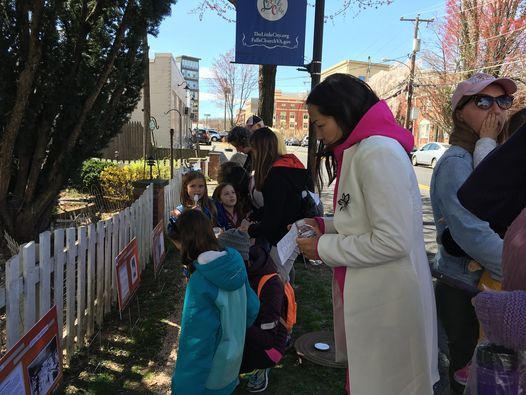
92	97
24	88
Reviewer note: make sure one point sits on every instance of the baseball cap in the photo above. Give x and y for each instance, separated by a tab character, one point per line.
478	82
252	120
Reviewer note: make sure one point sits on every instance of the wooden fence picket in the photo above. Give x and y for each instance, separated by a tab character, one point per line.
108	265
91	279
13	293
101	242
46	265
71	258
81	284
59	252
30	280
115	248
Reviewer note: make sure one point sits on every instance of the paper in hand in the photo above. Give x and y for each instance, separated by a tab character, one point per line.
287	244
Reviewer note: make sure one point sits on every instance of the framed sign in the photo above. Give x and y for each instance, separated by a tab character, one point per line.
34	364
128	273
159	252
271	32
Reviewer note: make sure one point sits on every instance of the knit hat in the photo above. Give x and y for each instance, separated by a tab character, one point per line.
476	83
252	120
234	238
503	317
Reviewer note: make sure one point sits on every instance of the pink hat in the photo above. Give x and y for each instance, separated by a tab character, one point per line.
478	82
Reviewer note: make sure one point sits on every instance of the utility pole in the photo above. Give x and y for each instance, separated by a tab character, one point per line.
314	69
416	48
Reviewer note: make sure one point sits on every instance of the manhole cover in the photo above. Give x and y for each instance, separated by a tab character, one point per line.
305	347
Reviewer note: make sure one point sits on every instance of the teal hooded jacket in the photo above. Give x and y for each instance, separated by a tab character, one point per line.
219	306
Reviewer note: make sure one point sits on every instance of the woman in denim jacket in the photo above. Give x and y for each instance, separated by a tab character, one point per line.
476	102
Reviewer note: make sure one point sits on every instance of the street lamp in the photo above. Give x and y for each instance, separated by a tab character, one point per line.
226	91
410	86
180	140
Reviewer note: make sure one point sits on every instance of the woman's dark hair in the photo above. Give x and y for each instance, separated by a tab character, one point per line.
194	231
238	136
264	144
347	99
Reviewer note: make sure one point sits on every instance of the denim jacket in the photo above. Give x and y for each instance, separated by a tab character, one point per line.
473	235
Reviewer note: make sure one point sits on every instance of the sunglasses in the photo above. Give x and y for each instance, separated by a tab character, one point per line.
484	102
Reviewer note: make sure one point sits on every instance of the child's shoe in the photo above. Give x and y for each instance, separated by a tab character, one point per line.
258	380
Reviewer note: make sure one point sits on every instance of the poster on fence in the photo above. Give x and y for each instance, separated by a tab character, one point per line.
128	273
159	253
34	364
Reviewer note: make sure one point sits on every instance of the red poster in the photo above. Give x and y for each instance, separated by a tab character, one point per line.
34	364
159	252
128	273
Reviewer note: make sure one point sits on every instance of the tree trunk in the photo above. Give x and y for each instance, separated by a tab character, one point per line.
267	87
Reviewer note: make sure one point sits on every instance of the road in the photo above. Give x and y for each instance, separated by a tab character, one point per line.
423	173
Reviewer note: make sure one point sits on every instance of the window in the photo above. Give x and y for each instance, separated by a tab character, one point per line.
292	125
305	116
292	116
283	105
283	116
423	130
305	126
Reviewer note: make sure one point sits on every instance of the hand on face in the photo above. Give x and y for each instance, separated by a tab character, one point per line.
491	126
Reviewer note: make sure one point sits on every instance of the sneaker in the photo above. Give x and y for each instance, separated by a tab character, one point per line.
461	375
258	381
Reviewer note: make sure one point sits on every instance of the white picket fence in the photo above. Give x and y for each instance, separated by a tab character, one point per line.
75	270
172	194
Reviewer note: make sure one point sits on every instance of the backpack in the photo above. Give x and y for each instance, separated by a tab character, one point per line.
290	300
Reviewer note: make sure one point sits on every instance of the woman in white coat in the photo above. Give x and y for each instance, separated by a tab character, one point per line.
384	310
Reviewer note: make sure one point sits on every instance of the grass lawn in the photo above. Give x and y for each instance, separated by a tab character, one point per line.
127	360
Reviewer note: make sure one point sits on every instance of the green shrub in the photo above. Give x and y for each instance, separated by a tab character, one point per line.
89	175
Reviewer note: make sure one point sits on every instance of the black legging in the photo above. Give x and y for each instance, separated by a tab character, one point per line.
459	320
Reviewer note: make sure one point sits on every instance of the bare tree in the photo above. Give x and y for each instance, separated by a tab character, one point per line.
267	72
475	36
233	83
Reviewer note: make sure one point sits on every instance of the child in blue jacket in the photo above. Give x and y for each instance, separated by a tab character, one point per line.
219	306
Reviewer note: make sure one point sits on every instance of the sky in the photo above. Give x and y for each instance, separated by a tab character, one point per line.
375	32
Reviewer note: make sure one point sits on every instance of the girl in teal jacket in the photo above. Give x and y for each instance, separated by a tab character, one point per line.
219	306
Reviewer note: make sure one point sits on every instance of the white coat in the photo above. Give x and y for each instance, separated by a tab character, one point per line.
386	328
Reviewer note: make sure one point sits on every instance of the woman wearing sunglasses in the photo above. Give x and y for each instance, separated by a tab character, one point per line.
480	108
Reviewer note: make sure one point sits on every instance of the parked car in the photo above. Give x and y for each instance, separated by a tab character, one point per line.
202	136
429	154
215	135
292	141
305	141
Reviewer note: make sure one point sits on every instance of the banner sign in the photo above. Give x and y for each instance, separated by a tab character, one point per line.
159	252
34	364
128	274
271	32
